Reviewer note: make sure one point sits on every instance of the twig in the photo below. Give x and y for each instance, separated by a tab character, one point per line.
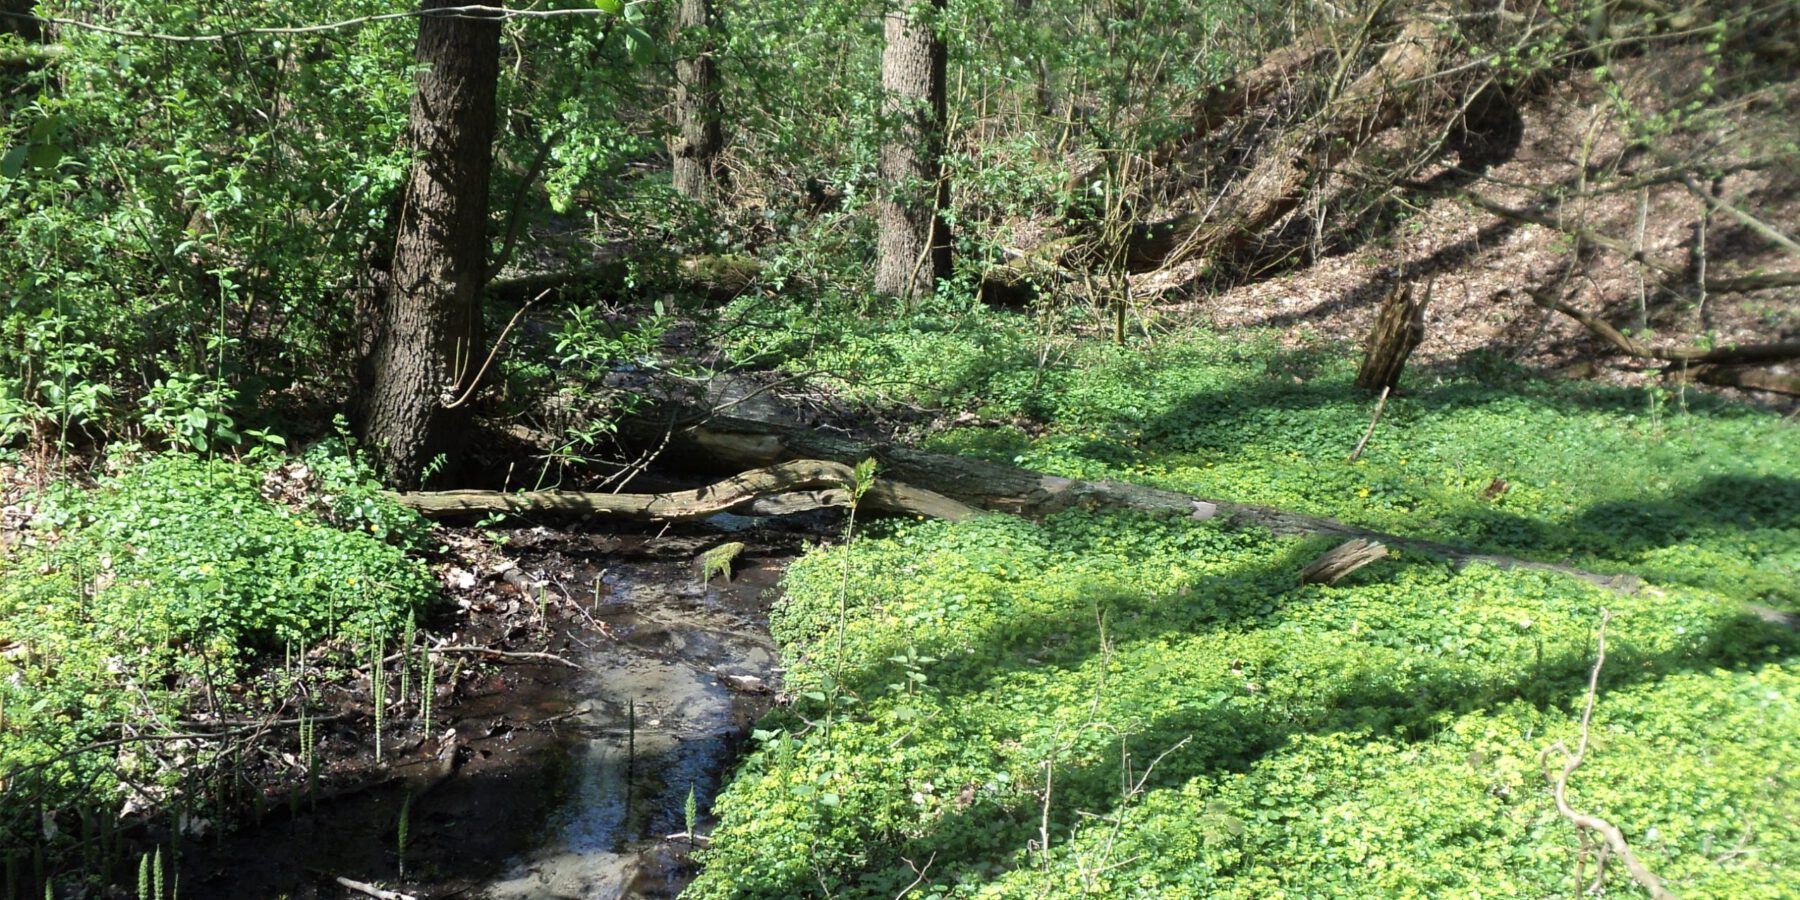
362	887
1379	406
1585	822
520	656
919	869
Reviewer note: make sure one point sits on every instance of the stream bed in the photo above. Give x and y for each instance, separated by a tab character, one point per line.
542	781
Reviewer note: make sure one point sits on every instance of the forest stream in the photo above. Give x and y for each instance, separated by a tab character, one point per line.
543	781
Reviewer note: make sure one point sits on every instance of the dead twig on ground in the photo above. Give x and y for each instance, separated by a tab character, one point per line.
1586	823
1373	420
363	887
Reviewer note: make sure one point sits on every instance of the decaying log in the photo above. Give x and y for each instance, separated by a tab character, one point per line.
885	494
982	485
1749	379
1342	560
1742	354
1399	327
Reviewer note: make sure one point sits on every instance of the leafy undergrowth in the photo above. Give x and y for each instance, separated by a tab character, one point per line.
1119	705
139	610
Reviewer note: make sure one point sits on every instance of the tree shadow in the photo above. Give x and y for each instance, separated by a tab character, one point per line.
1237	723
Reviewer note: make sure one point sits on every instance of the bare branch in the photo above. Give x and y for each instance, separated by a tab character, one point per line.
1584	822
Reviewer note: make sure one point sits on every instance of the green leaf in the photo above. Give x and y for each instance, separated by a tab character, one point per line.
14	161
640	45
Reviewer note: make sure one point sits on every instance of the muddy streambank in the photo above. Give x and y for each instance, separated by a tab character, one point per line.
539	780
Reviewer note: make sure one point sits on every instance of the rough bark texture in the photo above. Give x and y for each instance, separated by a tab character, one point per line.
1399	327
696	103
914	245
427	347
1342	560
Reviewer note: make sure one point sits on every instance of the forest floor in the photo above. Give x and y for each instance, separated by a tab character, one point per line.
1480	264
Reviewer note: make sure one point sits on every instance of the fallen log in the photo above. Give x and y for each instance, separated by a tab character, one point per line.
1742	354
978	485
787	476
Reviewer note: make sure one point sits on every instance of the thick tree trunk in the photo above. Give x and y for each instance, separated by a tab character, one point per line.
914	242
427	348
697	145
1399	327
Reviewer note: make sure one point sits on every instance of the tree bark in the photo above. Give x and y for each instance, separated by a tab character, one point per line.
427	350
697	145
1399	327
913	248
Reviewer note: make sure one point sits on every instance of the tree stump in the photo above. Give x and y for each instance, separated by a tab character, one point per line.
1342	560
1399	327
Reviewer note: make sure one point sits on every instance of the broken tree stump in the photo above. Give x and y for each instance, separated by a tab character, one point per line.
1399	327
1342	560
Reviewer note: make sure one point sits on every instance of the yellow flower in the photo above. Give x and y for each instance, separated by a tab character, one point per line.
1364	492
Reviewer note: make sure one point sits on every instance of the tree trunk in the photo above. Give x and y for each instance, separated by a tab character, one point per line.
696	102
1399	327
914	243
427	350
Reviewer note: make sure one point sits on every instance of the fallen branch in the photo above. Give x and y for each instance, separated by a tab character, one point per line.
975	486
1373	421
363	887
1739	285
526	657
1740	355
1585	822
700	503
1749	379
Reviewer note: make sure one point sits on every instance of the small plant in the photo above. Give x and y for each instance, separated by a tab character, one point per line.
403	831
377	685
689	814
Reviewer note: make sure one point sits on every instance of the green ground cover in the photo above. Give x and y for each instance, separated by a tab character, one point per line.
1117	705
171	597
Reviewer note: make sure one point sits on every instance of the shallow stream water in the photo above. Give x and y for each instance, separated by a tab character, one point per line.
566	784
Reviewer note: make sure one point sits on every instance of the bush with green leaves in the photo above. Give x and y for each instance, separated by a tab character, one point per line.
186	220
132	601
